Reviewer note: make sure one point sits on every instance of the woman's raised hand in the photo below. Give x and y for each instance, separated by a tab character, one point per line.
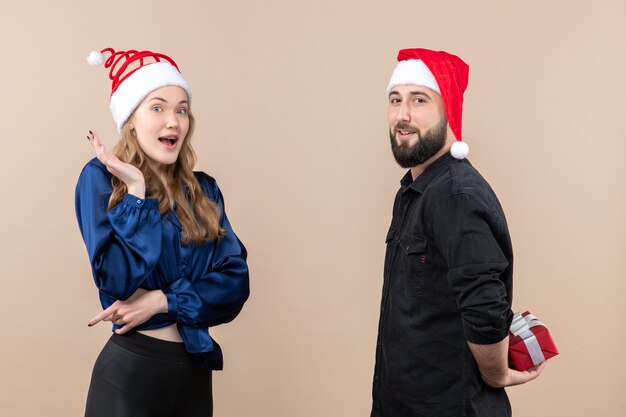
127	173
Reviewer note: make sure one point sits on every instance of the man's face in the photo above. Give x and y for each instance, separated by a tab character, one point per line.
417	124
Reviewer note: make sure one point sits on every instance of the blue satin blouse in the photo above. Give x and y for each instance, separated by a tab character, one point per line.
132	246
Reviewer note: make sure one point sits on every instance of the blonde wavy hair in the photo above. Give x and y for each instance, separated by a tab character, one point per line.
198	216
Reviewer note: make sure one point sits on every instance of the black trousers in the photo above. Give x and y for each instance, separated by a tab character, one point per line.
140	376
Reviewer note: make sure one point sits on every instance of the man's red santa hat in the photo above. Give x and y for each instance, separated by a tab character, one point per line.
134	75
442	72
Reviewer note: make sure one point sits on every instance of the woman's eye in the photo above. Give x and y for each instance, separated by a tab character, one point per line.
419	100
157	109
182	111
394	101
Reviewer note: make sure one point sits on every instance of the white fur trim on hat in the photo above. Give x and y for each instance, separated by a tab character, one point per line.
412	71
142	82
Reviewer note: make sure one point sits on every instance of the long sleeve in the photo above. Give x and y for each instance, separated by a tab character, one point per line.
473	239
216	294
123	244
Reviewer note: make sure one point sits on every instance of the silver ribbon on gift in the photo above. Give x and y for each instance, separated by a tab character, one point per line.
521	327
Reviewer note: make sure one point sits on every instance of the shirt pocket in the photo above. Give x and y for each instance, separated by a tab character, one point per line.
391	235
413	249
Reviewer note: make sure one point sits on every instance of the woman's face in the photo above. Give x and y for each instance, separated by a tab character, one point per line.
161	123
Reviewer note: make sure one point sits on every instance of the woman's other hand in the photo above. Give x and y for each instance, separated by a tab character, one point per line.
127	173
137	309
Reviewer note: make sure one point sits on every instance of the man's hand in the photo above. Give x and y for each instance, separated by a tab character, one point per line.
137	309
493	364
515	377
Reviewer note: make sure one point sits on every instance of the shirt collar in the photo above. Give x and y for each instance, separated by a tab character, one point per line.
421	183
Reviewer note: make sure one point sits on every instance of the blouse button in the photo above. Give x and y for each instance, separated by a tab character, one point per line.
138	201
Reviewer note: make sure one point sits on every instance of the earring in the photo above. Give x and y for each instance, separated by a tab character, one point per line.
132	127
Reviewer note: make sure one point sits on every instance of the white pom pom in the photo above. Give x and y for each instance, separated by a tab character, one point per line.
95	58
459	150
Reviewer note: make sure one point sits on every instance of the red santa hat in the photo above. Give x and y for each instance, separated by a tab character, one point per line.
134	75
442	72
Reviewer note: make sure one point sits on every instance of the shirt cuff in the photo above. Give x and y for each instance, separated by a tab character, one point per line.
486	335
147	203
172	305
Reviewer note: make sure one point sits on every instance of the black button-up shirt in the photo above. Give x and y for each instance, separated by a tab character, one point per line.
447	281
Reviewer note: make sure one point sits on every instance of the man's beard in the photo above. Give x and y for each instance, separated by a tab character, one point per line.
426	147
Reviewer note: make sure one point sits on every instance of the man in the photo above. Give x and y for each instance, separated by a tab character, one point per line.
446	307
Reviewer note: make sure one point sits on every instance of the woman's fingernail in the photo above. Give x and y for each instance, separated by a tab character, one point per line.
89	324
91	132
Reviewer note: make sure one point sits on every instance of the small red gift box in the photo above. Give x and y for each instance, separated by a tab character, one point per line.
530	342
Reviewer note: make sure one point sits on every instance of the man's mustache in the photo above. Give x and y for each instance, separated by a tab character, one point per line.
405	127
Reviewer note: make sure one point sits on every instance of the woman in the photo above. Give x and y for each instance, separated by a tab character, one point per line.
164	257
